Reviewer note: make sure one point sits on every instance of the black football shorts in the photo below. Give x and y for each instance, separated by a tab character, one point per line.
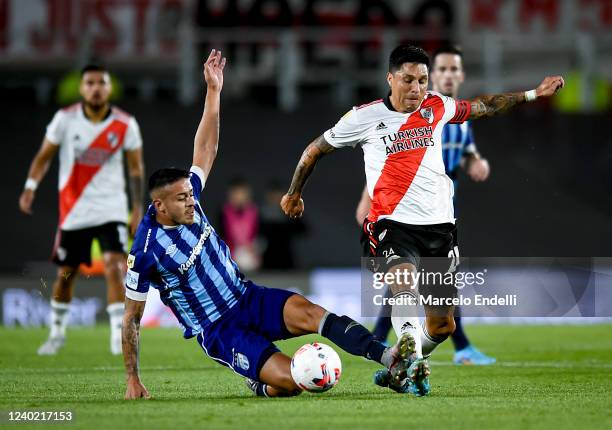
430	248
73	247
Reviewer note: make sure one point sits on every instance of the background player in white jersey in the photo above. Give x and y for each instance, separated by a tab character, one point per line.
177	251
91	138
412	208
458	150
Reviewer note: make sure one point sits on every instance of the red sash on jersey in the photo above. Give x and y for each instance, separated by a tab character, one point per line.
400	168
108	141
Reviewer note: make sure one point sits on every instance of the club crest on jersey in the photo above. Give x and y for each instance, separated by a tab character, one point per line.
427	114
171	250
113	139
130	261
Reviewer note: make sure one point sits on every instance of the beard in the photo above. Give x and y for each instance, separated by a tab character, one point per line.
97	106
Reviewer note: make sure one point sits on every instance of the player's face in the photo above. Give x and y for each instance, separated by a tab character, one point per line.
447	74
95	89
409	85
239	196
177	203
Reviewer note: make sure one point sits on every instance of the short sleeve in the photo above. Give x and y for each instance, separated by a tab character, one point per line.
197	181
470	145
349	131
56	128
138	276
133	139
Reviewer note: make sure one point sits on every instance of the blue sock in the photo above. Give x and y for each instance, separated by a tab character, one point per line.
351	336
459	338
383	322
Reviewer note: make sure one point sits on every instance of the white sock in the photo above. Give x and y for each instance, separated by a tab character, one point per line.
404	323
59	318
115	315
428	343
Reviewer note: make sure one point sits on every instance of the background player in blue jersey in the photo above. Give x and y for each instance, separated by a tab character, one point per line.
178	252
458	150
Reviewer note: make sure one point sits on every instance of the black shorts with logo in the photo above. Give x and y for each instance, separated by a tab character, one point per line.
428	247
73	247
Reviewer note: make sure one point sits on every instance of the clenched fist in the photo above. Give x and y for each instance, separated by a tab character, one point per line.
292	205
549	86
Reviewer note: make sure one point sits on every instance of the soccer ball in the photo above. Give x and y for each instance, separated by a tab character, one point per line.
316	367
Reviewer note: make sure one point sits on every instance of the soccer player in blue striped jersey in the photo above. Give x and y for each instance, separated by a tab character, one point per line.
178	252
458	151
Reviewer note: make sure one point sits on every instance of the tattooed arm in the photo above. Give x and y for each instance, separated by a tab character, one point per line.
130	340
136	175
292	203
486	106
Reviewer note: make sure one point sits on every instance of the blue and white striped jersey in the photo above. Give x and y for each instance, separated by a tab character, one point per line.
189	264
457	141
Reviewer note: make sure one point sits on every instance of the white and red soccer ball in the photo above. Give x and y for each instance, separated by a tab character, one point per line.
316	367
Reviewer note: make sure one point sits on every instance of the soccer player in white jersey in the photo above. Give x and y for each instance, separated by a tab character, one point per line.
458	150
178	252
91	138
412	197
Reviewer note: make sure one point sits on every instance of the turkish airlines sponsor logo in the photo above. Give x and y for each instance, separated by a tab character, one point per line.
405	140
94	157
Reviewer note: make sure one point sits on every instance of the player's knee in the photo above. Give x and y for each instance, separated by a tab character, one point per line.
66	276
113	265
313	314
304	315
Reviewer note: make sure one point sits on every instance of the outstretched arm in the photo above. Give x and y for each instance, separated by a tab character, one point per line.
486	106
38	169
130	339
207	136
292	203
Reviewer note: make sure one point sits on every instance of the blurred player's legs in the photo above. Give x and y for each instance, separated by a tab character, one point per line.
73	247
60	310
465	352
383	322
114	267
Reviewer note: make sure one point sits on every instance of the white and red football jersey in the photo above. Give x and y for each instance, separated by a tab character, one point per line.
91	176
402	152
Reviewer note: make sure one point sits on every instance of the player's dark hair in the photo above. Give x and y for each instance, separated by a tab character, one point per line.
448	49
169	175
93	68
407	54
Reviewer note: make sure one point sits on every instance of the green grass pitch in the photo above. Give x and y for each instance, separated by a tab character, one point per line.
553	377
